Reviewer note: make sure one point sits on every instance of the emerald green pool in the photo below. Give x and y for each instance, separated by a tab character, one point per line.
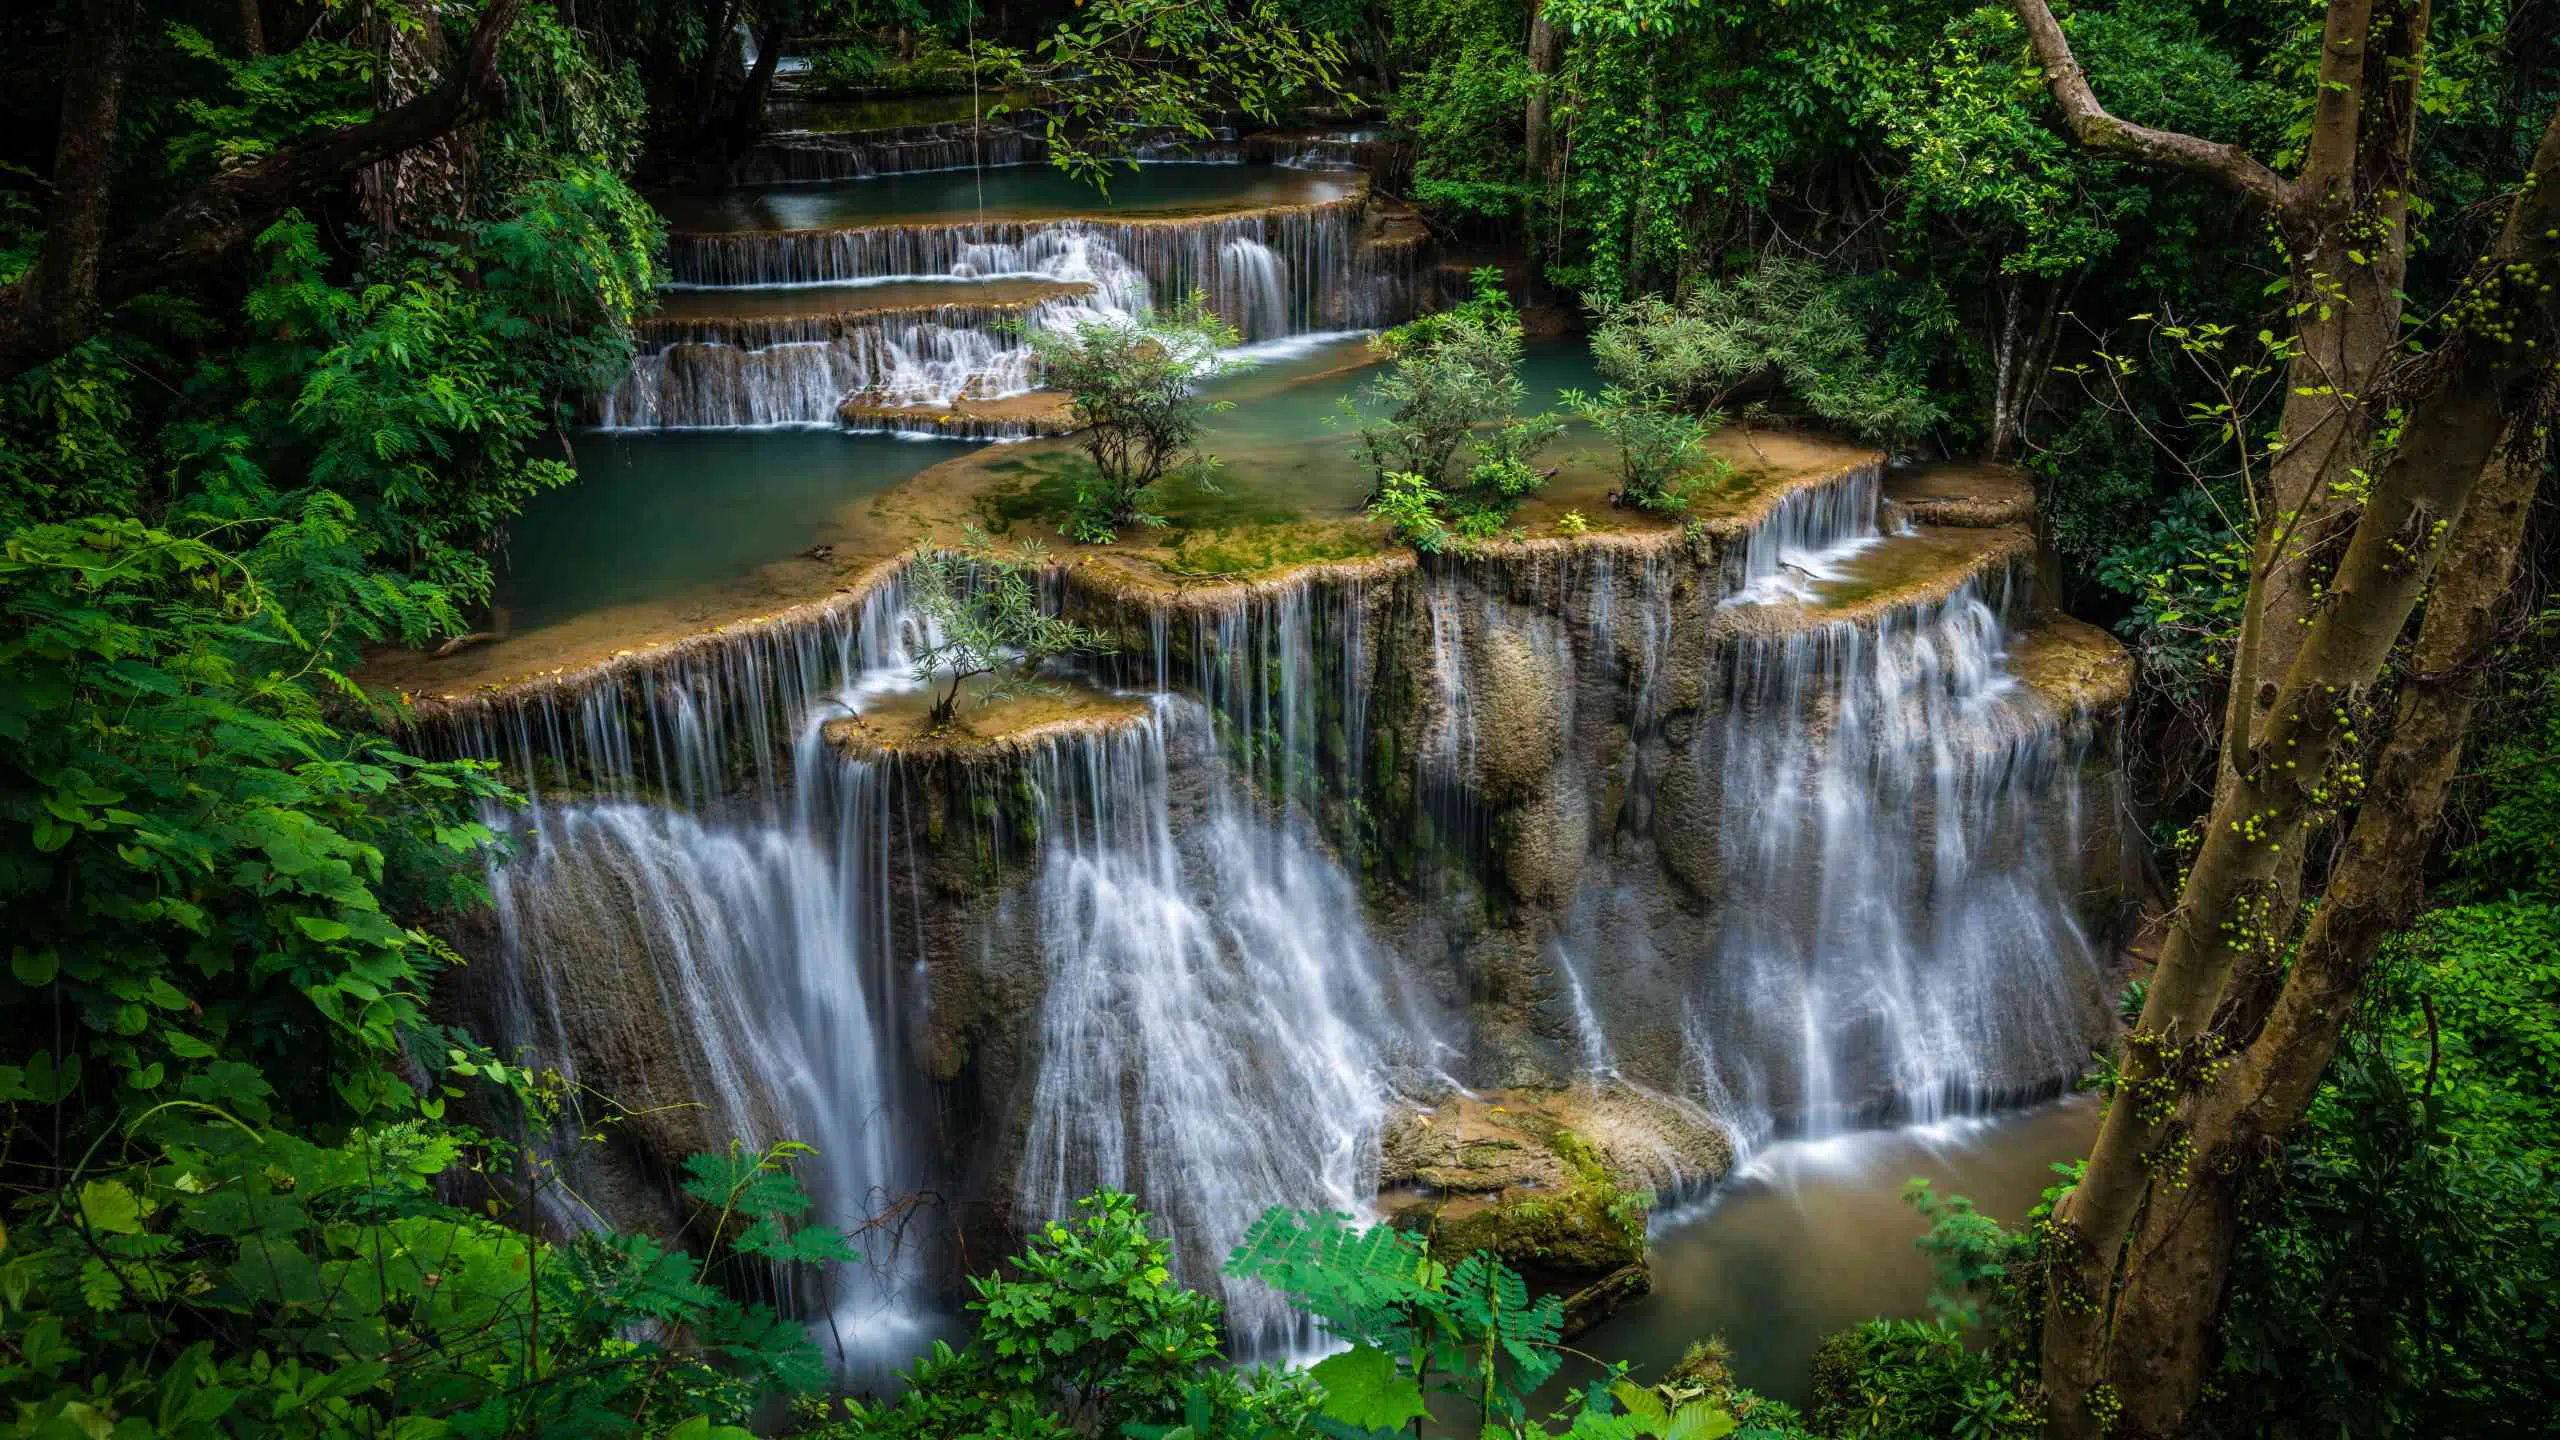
655	514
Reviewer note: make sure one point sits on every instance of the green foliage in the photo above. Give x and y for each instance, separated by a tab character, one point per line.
198	858
1662	459
1416	1327
1913	1380
2398	1271
985	616
1781	321
2189	584
1442	428
213	1278
2517	848
1411	506
1136	389
1115	72
1086	1333
1091	1318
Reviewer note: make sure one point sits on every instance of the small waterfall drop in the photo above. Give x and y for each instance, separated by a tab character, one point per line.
1214	1036
1896	940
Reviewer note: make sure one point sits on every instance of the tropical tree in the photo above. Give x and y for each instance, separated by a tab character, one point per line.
982	614
1135	387
2393	476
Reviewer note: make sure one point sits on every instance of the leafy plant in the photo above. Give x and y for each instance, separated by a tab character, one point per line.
1136	391
1662	460
1411	506
1453	387
1781	321
984	615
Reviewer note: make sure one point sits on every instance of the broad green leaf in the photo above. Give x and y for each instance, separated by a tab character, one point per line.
1363	1388
109	1206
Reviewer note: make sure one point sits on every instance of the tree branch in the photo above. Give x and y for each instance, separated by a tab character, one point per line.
228	210
2234	167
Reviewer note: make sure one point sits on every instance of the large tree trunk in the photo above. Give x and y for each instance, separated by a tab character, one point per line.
746	122
2336	573
2162	1350
2257	831
706	72
65	279
1546	48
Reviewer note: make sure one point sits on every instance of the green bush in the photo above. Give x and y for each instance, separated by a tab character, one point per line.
1446	415
1662	459
1782	322
1138	407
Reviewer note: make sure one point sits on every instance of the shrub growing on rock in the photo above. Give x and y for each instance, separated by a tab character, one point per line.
1138	406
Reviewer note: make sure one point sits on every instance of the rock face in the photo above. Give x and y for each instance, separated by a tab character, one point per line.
1653	842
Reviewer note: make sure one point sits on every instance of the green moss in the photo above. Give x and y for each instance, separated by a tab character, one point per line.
1588	1227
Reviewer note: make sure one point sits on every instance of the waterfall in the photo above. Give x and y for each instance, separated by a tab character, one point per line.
798	157
1809	534
1323	276
1213	1035
1251	292
1897	937
765	949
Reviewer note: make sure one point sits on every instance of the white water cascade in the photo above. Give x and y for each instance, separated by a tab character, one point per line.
1217	1024
1897	938
1272	273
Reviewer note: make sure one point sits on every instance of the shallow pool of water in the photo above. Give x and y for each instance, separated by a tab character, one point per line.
1016	192
655	514
1287	438
1811	1237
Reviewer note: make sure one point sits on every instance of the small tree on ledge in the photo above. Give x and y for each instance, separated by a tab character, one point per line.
1138	406
983	616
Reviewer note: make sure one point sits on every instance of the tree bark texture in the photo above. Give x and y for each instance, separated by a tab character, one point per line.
2343	555
64	298
1546	50
2162	1351
746	122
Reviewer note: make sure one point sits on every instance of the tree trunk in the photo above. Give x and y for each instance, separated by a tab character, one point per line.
746	122
1546	47
2302	667
253	29
2162	1347
84	159
706	73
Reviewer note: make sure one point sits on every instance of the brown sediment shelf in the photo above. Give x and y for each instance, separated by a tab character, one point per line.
866	541
1047	711
1014	417
1975	494
2074	666
1917	568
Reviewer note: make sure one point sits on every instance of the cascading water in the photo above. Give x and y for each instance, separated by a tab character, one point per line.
1273	273
1872	916
1897	938
1810	533
750	943
1214	1035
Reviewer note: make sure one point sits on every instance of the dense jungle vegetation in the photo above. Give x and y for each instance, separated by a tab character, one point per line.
298	296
